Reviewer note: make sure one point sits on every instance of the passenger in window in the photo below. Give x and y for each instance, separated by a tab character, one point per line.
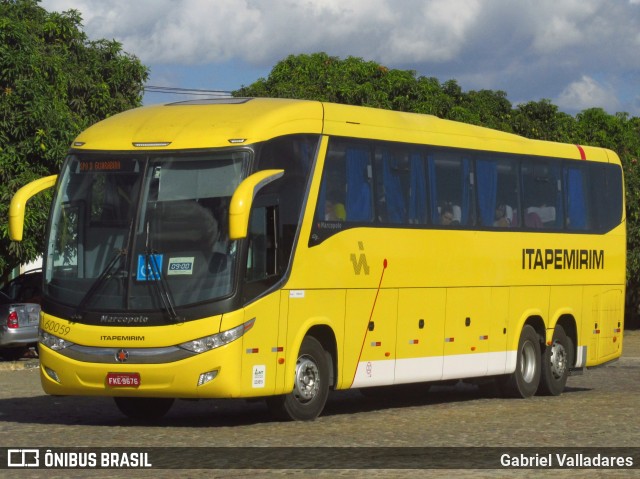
501	218
446	216
532	220
334	210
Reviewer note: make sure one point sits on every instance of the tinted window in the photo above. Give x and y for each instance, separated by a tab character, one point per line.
391	184
542	194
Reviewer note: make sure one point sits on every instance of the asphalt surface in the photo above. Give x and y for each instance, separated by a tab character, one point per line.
599	409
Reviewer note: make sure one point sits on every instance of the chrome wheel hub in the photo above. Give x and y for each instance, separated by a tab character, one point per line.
558	360
528	361
307	381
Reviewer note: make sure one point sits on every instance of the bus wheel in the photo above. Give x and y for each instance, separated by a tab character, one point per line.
524	381
143	409
556	361
310	388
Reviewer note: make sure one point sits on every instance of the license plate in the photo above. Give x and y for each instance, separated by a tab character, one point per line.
123	380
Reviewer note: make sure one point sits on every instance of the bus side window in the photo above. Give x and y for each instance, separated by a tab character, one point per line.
417	210
605	190
542	194
497	192
358	175
392	173
576	201
450	187
262	258
401	186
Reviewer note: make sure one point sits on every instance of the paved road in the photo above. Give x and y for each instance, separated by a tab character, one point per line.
599	409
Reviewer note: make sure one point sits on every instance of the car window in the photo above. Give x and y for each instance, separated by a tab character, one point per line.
26	288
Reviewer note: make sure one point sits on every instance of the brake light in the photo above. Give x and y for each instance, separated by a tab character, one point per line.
12	320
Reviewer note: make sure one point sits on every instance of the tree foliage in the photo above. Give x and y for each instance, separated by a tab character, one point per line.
354	81
54	82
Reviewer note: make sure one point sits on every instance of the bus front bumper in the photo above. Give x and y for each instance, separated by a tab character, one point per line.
213	374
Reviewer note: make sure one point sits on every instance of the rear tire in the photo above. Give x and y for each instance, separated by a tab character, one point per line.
556	361
310	388
524	381
143	409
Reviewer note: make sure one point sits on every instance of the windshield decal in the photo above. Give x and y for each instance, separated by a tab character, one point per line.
148	271
181	265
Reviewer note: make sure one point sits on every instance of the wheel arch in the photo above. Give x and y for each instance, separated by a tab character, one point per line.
326	337
537	323
532	318
568	323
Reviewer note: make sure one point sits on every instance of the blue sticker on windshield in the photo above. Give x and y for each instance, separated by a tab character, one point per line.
149	270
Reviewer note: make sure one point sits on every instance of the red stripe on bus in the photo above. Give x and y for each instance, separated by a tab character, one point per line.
583	156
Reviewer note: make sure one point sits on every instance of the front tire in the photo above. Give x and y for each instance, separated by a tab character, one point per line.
556	361
524	381
311	385
143	409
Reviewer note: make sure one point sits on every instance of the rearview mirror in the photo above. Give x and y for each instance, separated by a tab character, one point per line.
19	202
242	199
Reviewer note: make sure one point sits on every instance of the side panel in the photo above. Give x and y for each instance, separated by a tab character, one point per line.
466	336
307	309
498	321
609	318
261	347
376	354
420	335
603	309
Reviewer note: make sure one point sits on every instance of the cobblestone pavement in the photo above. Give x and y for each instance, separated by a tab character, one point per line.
598	409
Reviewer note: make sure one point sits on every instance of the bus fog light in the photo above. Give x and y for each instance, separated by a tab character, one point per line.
52	374
207	377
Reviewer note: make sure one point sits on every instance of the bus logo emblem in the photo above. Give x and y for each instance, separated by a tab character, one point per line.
122	356
360	263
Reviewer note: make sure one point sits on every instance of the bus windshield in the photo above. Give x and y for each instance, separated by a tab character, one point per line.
141	233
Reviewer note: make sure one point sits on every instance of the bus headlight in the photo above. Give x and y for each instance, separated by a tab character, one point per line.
216	340
53	342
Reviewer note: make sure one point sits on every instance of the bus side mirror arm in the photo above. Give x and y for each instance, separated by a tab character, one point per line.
19	202
242	200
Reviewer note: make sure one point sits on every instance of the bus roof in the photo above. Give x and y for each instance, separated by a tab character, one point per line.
223	122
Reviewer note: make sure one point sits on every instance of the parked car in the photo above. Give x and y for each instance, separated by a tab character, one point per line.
20	314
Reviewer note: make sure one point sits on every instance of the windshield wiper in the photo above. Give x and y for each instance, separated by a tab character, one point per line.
97	284
161	284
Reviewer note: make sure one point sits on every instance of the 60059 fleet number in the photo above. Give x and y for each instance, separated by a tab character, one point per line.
56	328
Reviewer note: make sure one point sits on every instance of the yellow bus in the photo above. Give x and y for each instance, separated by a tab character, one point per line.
279	249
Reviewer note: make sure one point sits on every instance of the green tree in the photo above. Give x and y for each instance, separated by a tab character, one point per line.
351	81
541	120
54	82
